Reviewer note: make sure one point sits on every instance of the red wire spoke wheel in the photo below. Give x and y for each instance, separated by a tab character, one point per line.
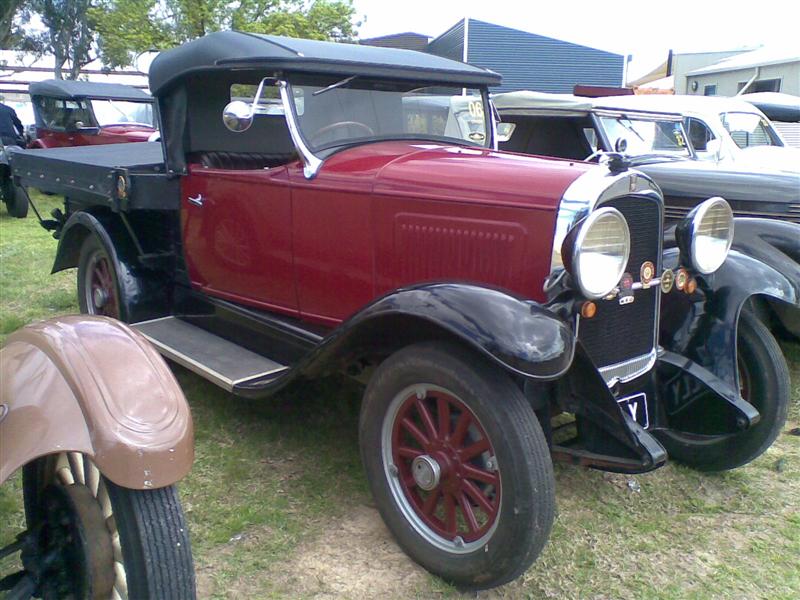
442	467
458	464
98	291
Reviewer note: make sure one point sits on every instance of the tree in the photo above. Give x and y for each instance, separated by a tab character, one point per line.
128	27
13	13
68	36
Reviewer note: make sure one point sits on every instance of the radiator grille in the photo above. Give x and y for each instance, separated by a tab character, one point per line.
621	332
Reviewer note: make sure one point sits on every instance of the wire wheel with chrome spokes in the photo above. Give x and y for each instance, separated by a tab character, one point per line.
458	464
94	539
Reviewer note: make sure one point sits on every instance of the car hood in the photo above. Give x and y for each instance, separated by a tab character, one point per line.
464	174
703	179
132	133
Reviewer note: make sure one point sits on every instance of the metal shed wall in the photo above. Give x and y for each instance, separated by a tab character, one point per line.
450	44
528	61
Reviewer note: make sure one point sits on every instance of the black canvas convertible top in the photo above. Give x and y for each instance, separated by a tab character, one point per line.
69	90
234	49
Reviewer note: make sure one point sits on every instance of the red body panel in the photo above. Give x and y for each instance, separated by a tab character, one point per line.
239	242
375	218
113	134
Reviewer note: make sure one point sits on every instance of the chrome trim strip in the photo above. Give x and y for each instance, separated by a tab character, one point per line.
628	370
311	162
610	187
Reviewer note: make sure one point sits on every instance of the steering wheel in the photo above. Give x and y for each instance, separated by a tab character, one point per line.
341	124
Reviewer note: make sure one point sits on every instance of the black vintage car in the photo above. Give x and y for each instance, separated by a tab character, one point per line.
766	202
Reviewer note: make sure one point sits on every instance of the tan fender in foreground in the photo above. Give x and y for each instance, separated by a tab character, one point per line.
93	385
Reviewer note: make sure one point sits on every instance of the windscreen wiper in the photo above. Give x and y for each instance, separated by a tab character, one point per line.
628	126
333	86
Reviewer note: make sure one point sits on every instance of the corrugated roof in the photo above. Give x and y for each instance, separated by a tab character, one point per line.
768	55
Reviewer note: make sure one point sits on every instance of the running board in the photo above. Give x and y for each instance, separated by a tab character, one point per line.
221	362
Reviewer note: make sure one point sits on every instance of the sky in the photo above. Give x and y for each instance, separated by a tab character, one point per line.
645	29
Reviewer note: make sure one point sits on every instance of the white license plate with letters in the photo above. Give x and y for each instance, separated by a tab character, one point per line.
636	407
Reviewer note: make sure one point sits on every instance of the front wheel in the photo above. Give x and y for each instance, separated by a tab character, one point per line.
458	464
95	539
764	383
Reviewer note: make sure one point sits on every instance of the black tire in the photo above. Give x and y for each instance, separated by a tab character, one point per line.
153	535
92	257
763	369
526	505
15	198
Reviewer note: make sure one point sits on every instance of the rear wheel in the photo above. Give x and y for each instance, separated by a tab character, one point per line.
458	465
98	282
15	198
764	383
95	539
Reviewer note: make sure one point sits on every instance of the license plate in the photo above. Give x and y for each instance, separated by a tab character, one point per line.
636	407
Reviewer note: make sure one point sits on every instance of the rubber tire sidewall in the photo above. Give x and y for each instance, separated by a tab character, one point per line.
16	199
153	534
91	244
528	497
770	393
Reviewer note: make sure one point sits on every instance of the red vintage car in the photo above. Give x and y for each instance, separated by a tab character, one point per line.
501	310
82	113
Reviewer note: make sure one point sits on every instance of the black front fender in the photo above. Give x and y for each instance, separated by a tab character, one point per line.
777	244
521	336
702	326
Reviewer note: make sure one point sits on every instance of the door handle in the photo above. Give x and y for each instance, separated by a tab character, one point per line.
197	201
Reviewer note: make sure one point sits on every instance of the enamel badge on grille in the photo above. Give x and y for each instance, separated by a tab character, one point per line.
626	289
646	274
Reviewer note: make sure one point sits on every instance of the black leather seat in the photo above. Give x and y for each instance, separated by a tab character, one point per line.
241	161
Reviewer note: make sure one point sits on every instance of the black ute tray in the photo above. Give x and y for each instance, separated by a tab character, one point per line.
91	173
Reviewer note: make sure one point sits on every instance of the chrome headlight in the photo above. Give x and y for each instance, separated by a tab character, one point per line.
596	252
706	234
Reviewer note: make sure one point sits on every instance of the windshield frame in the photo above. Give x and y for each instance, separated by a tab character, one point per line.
315	157
599	114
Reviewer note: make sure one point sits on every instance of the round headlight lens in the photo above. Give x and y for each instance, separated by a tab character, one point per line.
601	252
712	235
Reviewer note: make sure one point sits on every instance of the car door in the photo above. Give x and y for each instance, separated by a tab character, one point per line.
333	247
236	228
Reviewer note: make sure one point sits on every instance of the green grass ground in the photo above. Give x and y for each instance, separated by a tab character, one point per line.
279	508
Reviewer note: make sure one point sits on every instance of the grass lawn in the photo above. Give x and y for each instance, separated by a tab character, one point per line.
278	505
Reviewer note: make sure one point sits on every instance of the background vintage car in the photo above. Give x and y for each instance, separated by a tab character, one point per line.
580	128
100	452
81	113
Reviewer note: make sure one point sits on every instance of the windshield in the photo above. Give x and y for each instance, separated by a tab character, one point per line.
337	113
638	136
123	112
749	129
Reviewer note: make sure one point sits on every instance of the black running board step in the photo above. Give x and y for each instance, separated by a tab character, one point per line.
210	356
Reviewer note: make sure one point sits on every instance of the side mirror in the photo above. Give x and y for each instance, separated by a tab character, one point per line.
237	116
504	131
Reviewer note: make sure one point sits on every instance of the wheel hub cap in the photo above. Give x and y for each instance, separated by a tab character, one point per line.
426	472
100	297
